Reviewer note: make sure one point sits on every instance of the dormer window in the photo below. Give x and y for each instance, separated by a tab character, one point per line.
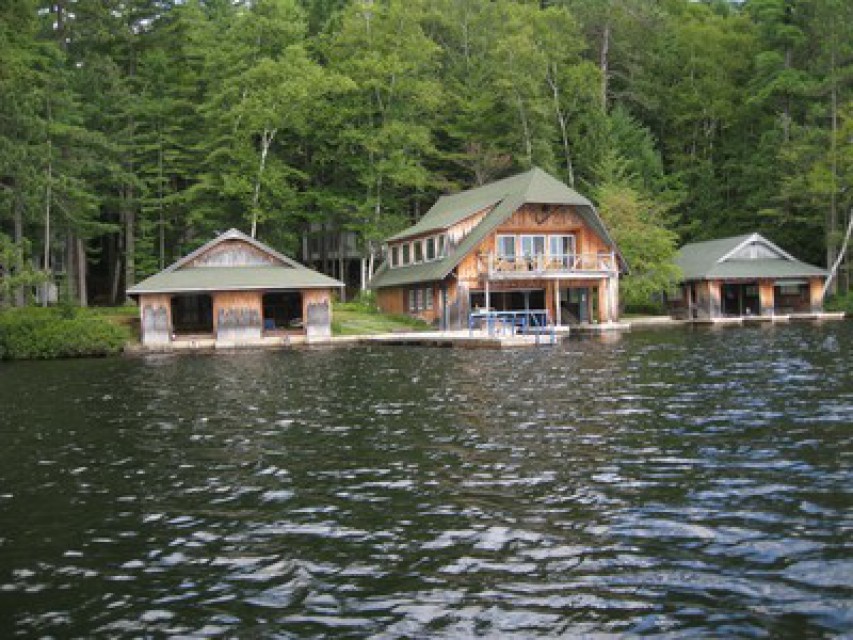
395	257
430	248
407	254
442	245
418	249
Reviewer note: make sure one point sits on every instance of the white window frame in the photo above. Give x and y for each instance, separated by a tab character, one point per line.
405	254
565	257
441	248
394	257
428	293
412	306
532	237
417	248
430	243
512	241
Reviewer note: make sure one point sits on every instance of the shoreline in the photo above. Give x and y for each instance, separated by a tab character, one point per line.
467	339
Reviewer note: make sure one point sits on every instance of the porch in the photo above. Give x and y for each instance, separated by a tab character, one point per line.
546	265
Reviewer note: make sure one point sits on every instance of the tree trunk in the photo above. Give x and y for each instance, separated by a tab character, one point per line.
18	222
561	118
82	269
70	265
603	63
266	142
833	269
525	128
832	214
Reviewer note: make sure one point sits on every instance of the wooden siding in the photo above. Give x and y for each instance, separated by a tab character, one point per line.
816	294
766	301
238	315
155	318
396	300
392	300
544	219
234	253
317	313
458	231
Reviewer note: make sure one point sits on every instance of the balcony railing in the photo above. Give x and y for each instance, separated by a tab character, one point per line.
547	264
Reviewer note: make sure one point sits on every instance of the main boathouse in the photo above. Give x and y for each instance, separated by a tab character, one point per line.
234	291
527	243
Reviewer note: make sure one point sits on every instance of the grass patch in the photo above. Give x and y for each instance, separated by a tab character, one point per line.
361	317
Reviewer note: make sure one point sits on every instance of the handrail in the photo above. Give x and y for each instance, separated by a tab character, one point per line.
522	321
551	263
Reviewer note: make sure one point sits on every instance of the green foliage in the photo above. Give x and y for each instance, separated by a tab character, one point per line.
843	302
637	222
15	271
139	129
36	333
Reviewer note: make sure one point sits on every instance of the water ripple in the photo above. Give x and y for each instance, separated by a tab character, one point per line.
669	484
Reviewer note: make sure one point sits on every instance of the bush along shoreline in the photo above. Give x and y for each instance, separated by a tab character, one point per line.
62	332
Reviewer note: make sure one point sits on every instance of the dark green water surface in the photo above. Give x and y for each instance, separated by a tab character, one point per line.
665	483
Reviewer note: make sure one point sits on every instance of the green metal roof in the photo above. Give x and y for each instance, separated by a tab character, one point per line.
506	197
284	274
712	260
534	186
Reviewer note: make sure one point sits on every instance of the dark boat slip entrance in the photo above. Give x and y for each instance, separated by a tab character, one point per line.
192	314
741	299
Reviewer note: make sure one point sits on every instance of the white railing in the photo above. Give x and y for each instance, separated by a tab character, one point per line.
550	263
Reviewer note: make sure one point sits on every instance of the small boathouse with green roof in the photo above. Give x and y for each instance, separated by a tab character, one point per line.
234	291
744	276
524	243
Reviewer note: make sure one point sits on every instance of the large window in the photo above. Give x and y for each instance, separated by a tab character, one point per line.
562	249
532	246
506	246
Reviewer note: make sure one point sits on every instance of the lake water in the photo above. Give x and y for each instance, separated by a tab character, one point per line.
669	483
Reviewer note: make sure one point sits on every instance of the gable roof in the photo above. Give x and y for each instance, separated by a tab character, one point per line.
504	197
283	273
721	258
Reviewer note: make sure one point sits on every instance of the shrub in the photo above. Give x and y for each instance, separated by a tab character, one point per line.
34	332
843	302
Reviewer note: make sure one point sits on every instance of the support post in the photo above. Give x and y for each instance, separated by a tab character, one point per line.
557	314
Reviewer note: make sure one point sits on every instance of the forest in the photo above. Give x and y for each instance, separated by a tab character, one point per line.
131	132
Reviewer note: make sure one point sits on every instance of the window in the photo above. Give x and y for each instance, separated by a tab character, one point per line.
442	245
789	289
407	254
413	303
532	246
428	298
395	257
562	249
417	300
506	246
430	248
418	248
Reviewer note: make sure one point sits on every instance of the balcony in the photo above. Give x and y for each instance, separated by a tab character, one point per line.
549	266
